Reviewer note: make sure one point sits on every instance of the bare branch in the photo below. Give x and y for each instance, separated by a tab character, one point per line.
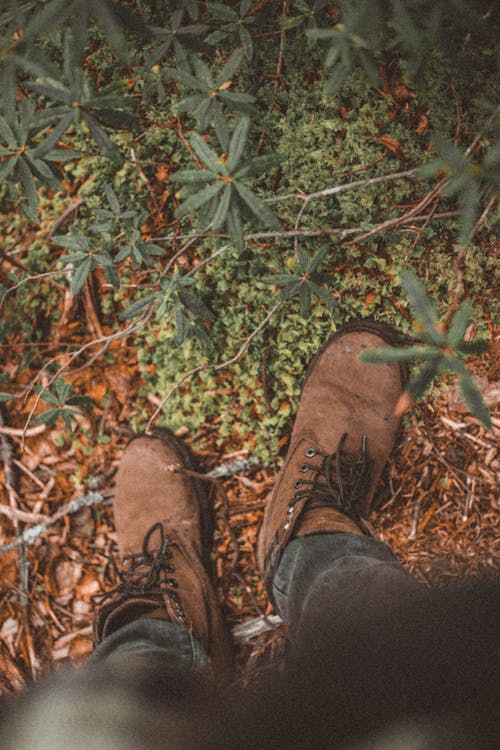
342	188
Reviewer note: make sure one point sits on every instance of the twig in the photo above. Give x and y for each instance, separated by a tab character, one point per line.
13	510
187	144
458	292
19	432
90	308
105	339
69	210
29	536
342	188
223	471
279	66
415	516
20	516
409	216
35	277
236	466
422	229
180	252
143	177
213	366
401	221
244	631
243	509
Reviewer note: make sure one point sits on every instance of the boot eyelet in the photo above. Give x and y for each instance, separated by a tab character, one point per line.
172	582
310	453
304	467
298	483
289	510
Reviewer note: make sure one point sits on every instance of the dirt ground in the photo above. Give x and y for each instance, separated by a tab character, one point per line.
437	509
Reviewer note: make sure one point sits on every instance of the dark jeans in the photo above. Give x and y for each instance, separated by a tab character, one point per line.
372	652
357	572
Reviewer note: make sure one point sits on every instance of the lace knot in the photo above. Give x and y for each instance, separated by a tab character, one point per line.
340	481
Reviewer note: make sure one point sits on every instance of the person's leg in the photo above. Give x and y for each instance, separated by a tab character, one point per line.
161	647
164	607
328	577
318	560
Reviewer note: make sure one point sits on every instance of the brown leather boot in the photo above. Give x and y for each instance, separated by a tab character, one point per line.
165	530
343	434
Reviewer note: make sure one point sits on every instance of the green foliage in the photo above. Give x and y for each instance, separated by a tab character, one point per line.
306	281
69	73
78	102
232	23
225	197
25	162
114	229
61	403
441	351
307	15
366	29
173	33
174	296
467	178
213	92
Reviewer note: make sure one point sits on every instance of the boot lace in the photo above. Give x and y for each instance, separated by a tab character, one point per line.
341	481
140	575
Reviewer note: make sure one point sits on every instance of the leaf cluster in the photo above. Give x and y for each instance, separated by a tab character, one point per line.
61	403
213	93
440	350
232	23
174	296
306	281
115	229
225	199
24	161
468	178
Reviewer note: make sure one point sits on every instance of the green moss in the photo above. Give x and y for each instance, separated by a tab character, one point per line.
321	142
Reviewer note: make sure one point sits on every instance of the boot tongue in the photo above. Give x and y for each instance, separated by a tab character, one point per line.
134	608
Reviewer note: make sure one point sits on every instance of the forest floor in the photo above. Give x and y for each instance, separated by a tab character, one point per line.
437	511
437	506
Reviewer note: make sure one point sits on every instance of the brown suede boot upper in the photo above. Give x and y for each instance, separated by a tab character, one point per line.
164	530
343	434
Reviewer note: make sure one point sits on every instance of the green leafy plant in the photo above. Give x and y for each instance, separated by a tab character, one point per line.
441	350
121	229
304	14
467	178
306	281
115	231
353	41
175	34
62	403
225	197
78	102
189	310
232	23
25	162
115	20
207	106
85	257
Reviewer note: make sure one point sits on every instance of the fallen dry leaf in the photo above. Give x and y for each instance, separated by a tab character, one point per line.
61	579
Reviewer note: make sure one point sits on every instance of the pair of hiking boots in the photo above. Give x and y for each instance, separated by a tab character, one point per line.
342	437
